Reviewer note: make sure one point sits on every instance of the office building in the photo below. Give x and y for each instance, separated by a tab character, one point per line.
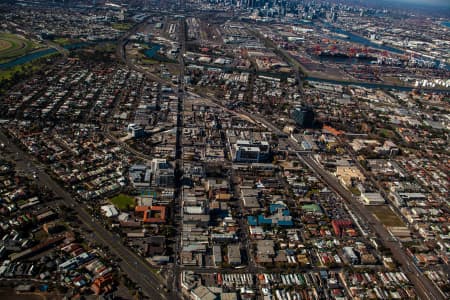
303	117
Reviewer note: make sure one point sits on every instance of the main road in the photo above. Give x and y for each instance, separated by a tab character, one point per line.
177	208
133	265
423	286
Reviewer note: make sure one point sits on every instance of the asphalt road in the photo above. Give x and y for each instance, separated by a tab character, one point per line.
423	286
122	55
134	266
140	272
177	207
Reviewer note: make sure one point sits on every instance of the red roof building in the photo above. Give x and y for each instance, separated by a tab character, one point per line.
152	214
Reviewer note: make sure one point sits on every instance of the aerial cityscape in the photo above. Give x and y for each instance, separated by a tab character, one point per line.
225	149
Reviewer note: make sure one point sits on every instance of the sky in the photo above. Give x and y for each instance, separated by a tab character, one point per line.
443	3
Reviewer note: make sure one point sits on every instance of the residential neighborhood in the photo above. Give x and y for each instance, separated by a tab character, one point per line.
224	150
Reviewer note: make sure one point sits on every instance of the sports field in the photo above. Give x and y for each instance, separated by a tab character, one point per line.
12	46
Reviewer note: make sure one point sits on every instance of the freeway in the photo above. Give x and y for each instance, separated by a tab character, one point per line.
301	73
424	287
295	65
120	50
59	48
134	266
121	54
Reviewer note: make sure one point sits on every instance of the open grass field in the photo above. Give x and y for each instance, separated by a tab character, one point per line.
123	202
29	67
9	73
4	45
149	61
386	216
122	26
12	46
62	41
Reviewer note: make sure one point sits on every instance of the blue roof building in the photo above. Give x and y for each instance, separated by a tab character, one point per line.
279	215
252	221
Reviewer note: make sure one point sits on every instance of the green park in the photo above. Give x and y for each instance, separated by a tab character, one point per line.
12	46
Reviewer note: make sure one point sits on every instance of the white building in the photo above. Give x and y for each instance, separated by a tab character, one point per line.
250	151
372	198
163	173
109	211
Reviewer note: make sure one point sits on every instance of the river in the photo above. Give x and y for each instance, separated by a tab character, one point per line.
152	51
360	40
27	58
38	54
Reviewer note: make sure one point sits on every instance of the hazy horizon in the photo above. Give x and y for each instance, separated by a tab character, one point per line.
439	3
